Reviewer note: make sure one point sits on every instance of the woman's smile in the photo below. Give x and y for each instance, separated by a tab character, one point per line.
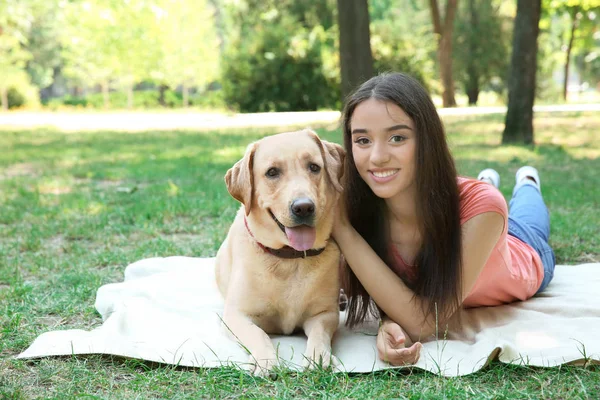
384	175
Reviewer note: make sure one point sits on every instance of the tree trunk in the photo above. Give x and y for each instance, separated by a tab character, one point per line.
574	22
185	91
472	86
356	59
105	94
4	96
444	32
161	95
518	126
129	97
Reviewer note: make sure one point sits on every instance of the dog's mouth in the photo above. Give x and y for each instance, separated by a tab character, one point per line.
301	237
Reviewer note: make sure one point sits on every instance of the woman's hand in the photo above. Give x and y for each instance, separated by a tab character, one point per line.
392	342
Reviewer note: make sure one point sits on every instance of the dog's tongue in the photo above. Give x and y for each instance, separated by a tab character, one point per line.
301	237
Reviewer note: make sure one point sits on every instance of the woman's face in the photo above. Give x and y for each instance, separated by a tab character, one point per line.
384	147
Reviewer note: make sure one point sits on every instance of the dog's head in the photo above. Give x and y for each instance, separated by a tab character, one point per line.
289	184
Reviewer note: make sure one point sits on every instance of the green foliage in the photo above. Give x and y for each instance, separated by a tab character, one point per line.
560	19
481	46
396	48
21	93
13	54
282	66
267	54
550	58
43	42
400	56
15	98
185	37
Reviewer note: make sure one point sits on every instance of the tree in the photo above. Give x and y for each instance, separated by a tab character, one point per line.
14	21
521	86
108	43
189	46
279	55
90	43
480	47
403	50
587	57
443	30
356	59
578	13
43	42
12	66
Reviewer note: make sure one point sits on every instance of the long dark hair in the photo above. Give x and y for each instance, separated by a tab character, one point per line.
438	261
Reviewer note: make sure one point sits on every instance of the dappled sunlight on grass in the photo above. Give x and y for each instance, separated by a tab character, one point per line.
230	153
496	154
54	186
95	208
583	152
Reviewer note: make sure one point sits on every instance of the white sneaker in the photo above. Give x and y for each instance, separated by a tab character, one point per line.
490	176
528	172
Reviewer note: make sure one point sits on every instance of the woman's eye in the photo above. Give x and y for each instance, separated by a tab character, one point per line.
397	138
273	172
314	168
362	141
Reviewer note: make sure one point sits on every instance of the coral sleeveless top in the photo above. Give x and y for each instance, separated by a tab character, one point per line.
514	270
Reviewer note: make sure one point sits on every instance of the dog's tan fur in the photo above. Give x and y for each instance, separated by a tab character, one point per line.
266	294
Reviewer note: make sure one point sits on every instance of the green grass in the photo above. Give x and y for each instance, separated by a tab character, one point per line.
76	208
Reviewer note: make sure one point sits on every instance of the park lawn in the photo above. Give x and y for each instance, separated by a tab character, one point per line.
76	208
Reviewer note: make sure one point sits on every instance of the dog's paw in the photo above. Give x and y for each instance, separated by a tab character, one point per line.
262	366
319	357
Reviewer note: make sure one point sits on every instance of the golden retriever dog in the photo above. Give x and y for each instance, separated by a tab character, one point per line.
278	267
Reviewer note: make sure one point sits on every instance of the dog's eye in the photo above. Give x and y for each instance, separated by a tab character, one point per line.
272	173
314	168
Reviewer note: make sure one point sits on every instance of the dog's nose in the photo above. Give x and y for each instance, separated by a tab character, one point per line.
303	207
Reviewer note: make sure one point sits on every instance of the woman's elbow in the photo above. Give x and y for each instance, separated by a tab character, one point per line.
422	333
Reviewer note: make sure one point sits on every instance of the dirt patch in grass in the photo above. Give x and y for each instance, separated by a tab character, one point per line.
61	244
184	237
51	321
589	258
56	244
20	169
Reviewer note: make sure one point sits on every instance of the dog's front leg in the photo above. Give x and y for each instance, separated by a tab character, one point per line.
320	329
262	352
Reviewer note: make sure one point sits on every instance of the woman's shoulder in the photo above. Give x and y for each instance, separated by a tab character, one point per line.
478	197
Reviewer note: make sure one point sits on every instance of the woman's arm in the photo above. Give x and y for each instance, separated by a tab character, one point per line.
479	236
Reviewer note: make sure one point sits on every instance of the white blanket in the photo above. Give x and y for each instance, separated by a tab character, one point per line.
168	310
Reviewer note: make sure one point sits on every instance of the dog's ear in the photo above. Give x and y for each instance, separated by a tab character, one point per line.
334	159
240	179
333	155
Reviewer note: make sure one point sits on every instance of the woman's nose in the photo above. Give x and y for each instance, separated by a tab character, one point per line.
380	154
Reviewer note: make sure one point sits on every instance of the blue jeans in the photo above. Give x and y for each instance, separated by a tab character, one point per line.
529	221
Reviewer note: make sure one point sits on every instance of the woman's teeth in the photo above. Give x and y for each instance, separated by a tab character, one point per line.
385	174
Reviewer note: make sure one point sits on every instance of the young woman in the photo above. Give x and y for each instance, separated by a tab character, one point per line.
417	239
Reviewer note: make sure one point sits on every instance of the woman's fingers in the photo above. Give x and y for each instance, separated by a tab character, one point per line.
395	335
391	346
401	356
